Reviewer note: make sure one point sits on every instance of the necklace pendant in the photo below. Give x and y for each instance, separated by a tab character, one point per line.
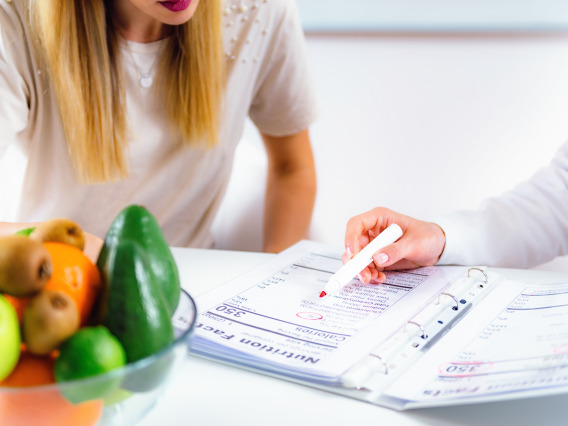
146	81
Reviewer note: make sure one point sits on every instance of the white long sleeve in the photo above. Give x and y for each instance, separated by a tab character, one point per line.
521	228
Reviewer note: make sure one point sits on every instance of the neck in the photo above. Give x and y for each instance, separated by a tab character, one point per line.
135	25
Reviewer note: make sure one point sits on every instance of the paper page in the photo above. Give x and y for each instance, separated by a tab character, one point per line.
516	340
273	317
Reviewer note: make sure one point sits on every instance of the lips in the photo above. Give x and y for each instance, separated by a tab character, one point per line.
176	6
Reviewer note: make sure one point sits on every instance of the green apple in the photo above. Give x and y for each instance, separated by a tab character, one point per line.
9	338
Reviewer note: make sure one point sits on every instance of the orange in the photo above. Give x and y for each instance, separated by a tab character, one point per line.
74	274
41	406
19	303
31	371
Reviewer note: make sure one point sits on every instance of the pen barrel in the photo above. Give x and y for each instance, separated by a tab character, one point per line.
362	259
388	236
365	256
344	275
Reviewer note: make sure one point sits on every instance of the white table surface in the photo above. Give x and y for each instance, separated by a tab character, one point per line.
208	393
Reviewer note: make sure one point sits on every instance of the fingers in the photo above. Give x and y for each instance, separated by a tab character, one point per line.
372	275
378	276
365	275
390	254
360	230
364	227
421	244
381	278
382	257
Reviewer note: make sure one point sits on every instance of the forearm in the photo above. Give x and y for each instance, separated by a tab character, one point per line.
290	190
288	209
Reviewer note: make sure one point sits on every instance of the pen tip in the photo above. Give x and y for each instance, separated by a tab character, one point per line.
323	293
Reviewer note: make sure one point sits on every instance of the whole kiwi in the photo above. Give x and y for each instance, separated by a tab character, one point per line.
25	265
50	318
60	230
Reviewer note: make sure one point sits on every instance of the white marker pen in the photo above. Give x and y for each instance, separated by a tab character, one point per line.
348	271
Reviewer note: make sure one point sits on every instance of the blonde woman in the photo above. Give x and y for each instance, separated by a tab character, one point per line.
104	103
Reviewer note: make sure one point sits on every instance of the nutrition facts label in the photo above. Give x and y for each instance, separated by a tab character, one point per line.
280	317
524	347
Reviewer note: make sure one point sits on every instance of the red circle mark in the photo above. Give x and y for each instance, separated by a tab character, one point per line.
309	315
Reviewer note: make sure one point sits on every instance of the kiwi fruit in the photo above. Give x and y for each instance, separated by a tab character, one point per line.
60	230
50	318
25	266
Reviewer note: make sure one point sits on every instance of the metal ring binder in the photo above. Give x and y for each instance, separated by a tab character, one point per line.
480	270
455	308
420	326
382	362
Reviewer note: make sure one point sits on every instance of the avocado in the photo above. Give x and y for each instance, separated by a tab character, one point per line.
137	224
133	308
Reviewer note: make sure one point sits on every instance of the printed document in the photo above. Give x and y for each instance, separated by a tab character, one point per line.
426	337
275	316
517	342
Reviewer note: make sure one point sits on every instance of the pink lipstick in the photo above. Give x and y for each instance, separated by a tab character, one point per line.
176	6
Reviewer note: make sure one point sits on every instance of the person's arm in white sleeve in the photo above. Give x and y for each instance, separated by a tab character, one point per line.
521	228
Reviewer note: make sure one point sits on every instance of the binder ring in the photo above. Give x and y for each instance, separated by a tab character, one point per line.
382	361
480	270
456	307
419	326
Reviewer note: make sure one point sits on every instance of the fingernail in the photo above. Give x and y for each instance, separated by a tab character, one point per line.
349	252
381	258
359	277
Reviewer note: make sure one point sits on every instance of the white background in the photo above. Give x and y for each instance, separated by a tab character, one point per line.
423	124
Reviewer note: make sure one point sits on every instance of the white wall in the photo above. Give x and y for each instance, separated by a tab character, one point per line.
420	124
439	15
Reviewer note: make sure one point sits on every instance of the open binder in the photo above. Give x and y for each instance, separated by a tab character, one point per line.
427	337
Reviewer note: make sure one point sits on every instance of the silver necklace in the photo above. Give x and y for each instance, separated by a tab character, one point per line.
145	79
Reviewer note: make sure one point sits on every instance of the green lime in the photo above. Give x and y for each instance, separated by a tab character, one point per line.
117	396
91	351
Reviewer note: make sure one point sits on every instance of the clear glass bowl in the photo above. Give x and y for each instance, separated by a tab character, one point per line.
119	397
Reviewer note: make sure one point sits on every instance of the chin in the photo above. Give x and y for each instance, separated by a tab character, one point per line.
178	18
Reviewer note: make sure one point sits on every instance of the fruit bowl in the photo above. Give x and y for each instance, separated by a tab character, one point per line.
120	397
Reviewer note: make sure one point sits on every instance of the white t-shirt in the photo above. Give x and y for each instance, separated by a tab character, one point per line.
267	79
520	229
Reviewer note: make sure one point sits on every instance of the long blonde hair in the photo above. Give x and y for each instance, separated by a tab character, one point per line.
80	46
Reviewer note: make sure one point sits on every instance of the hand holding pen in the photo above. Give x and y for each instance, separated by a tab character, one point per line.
355	265
422	242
